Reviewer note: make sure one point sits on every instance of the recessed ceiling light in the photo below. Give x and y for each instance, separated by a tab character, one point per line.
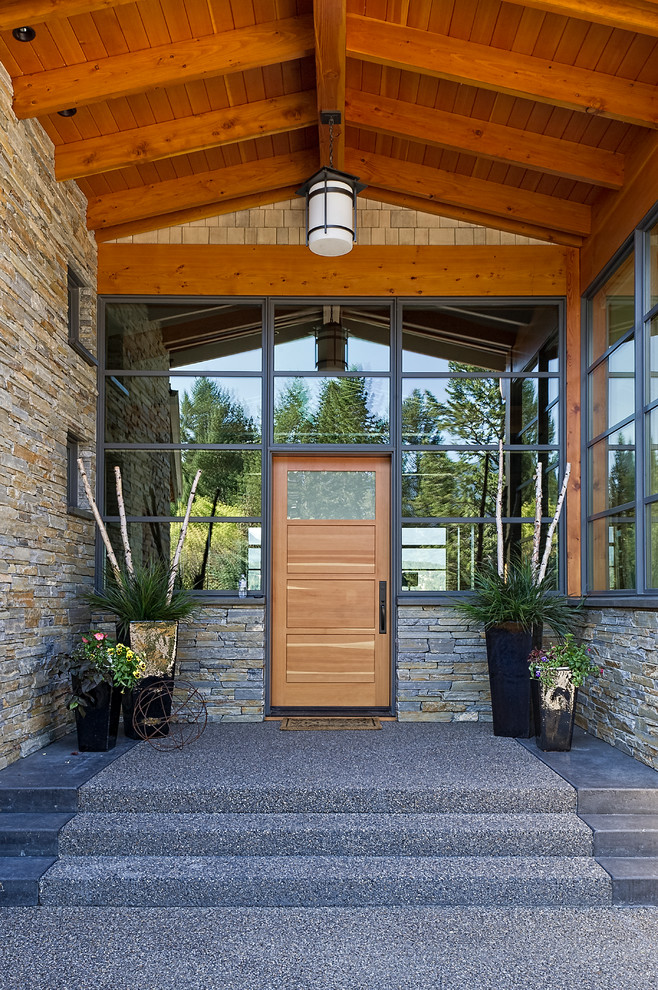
24	34
71	112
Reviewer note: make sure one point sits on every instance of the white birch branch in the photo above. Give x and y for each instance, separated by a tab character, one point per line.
551	528
536	536
122	516
499	509
114	564
174	565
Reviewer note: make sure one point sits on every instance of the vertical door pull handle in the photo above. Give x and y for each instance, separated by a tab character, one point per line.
382	606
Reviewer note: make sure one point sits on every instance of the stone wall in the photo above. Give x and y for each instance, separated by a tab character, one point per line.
46	391
621	705
284	223
222	654
442	672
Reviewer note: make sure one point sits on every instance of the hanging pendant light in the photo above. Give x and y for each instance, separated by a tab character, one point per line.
331	342
331	203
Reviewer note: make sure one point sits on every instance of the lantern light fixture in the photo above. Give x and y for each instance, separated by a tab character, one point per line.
331	203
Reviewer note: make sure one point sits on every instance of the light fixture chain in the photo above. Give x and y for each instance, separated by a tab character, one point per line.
331	142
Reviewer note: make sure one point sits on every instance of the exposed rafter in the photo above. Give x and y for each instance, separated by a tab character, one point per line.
442	209
329	20
199	190
506	72
133	72
629	15
185	135
475	194
213	209
17	13
495	141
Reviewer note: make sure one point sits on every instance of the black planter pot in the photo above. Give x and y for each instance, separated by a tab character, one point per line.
557	706
508	648
98	727
148	716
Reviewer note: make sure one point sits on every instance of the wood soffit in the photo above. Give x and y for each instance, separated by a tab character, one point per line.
517	114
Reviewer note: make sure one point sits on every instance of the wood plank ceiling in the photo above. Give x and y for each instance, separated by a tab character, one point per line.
517	115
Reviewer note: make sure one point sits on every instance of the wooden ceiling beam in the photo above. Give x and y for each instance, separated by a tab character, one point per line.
474	194
628	15
501	71
178	217
19	13
330	18
437	208
489	140
185	135
152	68
200	189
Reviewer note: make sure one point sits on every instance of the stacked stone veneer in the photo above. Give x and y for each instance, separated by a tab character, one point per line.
222	654
46	391
441	666
621	705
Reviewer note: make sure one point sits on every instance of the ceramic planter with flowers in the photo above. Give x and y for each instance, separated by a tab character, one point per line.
559	671
101	671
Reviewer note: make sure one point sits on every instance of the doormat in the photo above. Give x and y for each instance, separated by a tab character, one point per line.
330	723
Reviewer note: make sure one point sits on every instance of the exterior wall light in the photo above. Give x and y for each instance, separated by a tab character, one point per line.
24	33
331	204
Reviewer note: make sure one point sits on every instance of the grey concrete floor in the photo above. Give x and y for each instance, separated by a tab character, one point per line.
328	949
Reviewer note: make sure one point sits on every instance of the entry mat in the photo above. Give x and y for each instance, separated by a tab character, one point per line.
330	723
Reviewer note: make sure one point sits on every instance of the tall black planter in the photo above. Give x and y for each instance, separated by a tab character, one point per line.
508	648
557	706
98	728
151	718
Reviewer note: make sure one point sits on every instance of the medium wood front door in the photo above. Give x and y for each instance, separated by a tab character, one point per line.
331	582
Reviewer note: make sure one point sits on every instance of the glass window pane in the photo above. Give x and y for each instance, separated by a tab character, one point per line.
652	452
652	362
612	471
612	553
331	410
159	336
482	336
447	557
652	545
653	267
183	410
332	338
331	494
458	483
158	482
214	556
612	310
452	411
612	389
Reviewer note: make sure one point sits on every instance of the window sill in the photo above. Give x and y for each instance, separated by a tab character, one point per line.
630	601
74	510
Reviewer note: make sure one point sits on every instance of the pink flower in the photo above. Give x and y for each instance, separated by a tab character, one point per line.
600	670
99	635
84	640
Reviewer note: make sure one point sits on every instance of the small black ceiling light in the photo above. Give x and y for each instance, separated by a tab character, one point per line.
24	34
71	112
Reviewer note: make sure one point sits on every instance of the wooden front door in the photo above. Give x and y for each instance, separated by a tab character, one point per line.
331	582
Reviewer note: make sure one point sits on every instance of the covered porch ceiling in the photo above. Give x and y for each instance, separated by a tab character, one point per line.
526	116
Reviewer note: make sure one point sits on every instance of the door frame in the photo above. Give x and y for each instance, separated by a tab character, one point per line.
306	452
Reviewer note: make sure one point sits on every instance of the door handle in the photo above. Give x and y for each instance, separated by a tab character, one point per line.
382	606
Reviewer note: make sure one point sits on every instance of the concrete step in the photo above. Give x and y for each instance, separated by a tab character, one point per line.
36	799
315	881
30	833
19	879
618	800
624	835
634	878
107	834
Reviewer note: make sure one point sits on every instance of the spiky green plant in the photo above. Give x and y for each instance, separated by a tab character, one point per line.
515	598
142	596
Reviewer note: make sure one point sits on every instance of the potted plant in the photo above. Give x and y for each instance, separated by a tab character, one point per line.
100	670
513	602
147	605
559	671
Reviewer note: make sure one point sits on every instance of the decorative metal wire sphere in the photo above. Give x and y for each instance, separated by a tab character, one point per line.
169	716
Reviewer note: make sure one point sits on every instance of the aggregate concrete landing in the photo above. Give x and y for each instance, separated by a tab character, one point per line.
329	948
407	767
